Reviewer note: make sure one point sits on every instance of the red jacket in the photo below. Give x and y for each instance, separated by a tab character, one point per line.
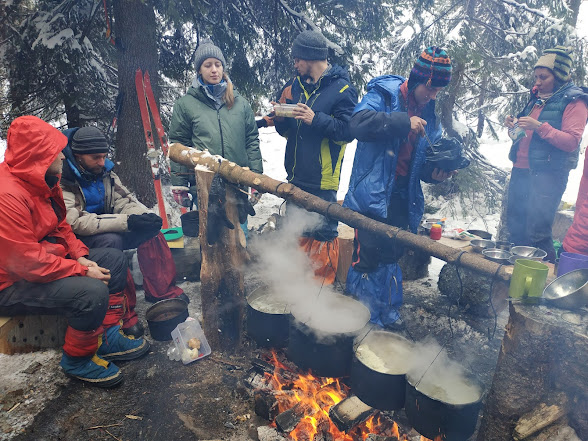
576	240
36	244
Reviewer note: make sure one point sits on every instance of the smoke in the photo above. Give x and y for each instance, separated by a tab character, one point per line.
288	272
438	376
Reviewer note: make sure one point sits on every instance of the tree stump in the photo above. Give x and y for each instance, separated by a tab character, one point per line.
221	272
414	264
544	356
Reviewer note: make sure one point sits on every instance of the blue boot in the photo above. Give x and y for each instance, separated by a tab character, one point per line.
92	370
114	345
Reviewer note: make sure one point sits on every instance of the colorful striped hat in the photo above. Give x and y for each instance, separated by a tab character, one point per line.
432	68
559	61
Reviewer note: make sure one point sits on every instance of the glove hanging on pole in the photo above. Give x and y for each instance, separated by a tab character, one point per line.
244	207
217	213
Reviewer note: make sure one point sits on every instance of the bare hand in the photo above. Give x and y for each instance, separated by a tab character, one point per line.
417	125
509	121
441	175
528	123
304	113
99	273
86	262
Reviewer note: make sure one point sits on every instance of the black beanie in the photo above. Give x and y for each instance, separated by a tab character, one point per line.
310	45
88	140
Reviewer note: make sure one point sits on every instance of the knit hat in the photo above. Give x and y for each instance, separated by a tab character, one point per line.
88	140
558	60
432	68
310	45
206	50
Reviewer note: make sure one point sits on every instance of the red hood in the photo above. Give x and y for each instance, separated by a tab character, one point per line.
32	145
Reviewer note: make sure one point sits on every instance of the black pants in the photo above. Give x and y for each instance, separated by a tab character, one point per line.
82	300
323	229
120	241
533	199
370	249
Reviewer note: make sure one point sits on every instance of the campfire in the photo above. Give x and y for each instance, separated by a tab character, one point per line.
303	407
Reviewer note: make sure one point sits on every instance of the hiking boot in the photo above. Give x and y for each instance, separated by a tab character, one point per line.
114	345
137	330
92	370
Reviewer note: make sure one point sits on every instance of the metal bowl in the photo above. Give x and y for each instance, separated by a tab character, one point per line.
569	291
497	255
480	244
481	234
504	245
530	253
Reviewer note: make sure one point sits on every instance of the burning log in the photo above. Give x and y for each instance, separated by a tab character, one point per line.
267	402
288	420
350	413
264	367
544	354
221	273
233	173
372	437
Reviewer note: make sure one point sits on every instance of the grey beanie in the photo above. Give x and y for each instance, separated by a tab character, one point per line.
310	45
88	140
206	50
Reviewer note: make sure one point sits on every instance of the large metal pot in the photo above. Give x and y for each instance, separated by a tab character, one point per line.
268	318
378	370
569	291
322	334
433	417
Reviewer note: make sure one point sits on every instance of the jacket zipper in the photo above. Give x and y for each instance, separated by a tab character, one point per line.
221	132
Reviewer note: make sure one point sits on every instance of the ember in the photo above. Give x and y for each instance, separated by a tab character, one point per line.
312	408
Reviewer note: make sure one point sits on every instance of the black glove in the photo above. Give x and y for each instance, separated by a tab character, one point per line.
144	222
244	207
217	214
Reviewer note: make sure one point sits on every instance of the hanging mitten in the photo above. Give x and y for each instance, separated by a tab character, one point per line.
217	213
244	207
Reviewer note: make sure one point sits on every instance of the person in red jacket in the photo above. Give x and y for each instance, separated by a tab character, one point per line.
45	269
576	240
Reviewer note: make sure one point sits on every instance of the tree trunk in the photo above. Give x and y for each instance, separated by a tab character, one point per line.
449	102
135	31
543	357
238	175
221	274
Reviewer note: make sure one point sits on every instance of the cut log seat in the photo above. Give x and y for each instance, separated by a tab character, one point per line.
31	332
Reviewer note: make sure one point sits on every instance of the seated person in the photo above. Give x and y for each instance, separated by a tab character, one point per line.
45	269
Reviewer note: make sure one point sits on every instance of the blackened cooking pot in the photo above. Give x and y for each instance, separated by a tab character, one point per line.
268	318
322	332
433	417
378	370
163	317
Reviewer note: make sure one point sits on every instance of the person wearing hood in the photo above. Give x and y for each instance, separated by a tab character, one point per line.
393	123
104	214
546	143
317	136
212	116
45	269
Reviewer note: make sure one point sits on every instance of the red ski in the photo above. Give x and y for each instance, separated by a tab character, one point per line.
152	153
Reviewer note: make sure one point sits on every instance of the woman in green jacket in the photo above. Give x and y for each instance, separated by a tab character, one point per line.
214	117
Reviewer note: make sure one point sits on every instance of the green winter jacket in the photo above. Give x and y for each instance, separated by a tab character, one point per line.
231	133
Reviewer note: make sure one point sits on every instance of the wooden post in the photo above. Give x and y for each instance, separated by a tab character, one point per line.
239	175
543	356
221	273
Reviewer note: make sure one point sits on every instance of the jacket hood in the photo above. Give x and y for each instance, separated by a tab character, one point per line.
32	145
200	94
336	72
386	83
71	169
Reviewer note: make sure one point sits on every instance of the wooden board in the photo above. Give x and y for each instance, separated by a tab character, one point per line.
30	333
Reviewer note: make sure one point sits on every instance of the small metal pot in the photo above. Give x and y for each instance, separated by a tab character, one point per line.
267	328
569	291
478	245
380	390
326	354
164	316
190	223
433	418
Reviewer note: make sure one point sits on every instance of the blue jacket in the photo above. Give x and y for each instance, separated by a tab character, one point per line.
374	167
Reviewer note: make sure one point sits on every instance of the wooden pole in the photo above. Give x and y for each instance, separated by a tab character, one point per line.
221	274
239	175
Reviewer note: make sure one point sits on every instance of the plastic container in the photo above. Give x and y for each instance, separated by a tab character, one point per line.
183	337
436	231
284	110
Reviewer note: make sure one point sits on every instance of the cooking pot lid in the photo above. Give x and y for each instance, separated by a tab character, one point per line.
385	352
